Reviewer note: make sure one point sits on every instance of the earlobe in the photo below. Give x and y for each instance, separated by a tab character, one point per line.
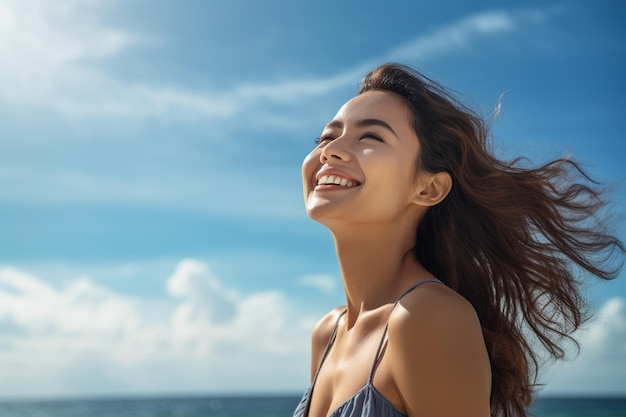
434	189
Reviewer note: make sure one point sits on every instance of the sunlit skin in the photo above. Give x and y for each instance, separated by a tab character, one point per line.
435	363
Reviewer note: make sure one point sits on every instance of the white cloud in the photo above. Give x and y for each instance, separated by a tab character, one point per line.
37	308
205	299
81	339
323	282
601	365
85	339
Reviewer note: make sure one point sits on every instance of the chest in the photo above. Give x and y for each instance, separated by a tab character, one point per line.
350	365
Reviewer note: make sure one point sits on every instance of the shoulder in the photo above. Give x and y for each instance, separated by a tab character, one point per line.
324	328
433	306
438	314
437	353
321	335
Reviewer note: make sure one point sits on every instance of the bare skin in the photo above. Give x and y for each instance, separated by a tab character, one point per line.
435	362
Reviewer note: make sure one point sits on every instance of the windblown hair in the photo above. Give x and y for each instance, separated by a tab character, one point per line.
515	241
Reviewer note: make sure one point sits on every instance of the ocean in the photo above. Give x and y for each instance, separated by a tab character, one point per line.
256	406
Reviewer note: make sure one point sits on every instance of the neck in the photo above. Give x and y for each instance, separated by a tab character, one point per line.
376	265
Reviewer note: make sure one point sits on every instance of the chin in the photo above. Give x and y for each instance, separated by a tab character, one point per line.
329	216
321	211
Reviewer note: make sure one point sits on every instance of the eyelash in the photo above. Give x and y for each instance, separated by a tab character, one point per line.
373	136
321	139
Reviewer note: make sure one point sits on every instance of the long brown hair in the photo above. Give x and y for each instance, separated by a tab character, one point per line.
514	240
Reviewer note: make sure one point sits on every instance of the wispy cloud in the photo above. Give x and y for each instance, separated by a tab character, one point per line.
323	282
458	34
46	45
57	56
55	50
188	191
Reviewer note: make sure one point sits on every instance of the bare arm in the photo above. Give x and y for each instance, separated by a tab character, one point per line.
437	355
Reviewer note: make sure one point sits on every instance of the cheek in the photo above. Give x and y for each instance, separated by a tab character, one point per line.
309	166
395	181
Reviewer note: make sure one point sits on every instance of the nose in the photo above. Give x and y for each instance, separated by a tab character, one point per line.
335	150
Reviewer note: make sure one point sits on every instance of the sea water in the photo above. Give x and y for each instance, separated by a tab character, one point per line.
256	406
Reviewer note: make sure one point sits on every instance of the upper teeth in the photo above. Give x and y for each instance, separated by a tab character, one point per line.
332	179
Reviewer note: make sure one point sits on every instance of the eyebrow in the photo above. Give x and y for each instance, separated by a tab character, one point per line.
364	123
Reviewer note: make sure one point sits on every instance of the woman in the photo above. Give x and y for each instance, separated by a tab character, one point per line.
456	266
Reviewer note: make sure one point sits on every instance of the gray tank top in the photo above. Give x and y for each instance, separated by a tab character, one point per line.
367	402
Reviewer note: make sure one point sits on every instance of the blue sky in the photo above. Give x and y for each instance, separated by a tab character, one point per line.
152	232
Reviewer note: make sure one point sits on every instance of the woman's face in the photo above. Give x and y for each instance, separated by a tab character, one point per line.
363	168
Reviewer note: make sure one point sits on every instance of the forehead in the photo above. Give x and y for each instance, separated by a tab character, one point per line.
379	104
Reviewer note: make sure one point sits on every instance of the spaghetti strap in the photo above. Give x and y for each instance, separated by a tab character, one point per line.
383	338
331	340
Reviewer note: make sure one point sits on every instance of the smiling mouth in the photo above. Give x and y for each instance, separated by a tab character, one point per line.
337	180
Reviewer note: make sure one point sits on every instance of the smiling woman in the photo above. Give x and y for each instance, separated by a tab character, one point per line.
454	263
355	146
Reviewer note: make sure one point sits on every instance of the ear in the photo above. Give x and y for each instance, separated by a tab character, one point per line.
433	189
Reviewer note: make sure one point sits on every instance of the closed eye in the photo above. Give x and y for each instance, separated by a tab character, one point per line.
323	139
370	135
